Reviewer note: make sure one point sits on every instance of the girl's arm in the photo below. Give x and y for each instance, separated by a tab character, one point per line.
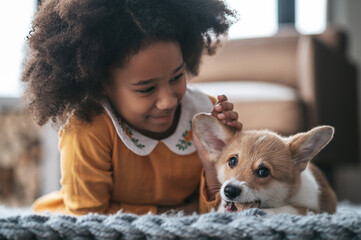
87	172
223	110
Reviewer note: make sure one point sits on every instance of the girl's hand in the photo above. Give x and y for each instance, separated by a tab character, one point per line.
223	110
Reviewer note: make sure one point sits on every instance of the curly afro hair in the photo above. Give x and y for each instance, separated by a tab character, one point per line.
74	43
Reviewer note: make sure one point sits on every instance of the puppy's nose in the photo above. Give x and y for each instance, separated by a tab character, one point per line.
231	191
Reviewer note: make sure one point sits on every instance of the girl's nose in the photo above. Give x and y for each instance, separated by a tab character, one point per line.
167	99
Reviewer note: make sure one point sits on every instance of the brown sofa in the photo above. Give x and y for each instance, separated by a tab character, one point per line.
289	83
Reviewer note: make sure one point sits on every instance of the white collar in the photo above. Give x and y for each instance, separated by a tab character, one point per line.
180	142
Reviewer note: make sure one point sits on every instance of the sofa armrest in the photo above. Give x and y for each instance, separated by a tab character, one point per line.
328	85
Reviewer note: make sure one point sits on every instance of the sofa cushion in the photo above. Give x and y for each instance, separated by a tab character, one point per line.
261	105
270	59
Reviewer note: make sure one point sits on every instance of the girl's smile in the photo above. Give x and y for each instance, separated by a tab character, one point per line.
166	117
146	92
163	118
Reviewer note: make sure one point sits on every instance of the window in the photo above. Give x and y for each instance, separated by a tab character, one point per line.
260	18
15	18
311	16
257	18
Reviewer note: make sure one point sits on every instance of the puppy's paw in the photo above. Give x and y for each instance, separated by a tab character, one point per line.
245	206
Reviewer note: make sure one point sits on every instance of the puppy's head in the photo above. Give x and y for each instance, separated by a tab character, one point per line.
258	166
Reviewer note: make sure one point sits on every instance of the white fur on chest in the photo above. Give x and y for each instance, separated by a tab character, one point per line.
308	193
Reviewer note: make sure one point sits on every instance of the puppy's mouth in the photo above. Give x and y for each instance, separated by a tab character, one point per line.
236	207
231	207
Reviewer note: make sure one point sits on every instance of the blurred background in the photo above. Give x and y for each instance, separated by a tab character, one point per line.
288	65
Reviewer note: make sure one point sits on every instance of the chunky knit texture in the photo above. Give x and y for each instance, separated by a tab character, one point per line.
250	224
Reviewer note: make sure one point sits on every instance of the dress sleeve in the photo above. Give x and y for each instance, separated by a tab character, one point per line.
86	167
205	205
87	170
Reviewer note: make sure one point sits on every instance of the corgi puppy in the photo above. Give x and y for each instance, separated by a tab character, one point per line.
259	168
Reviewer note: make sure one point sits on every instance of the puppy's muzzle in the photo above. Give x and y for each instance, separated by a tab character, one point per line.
231	192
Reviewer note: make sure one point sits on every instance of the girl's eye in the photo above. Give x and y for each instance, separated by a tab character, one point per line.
176	78
146	90
262	172
232	162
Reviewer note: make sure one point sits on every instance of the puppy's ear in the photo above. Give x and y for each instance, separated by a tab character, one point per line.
211	133
305	146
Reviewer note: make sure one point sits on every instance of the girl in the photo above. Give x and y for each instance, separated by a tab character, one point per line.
113	73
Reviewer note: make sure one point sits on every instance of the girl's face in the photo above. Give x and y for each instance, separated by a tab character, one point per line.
147	91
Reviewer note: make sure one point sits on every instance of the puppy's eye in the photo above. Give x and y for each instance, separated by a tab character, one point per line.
232	162
262	172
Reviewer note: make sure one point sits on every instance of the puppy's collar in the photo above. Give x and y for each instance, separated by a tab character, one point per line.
180	142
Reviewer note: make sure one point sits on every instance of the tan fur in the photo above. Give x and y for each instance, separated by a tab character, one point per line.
285	189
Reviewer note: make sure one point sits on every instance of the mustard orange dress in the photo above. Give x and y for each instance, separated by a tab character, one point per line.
107	166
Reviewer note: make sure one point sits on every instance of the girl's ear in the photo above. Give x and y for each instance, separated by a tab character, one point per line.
211	133
305	146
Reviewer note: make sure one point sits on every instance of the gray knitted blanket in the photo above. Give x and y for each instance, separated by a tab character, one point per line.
250	224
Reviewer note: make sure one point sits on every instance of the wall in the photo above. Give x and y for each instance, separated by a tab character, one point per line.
346	14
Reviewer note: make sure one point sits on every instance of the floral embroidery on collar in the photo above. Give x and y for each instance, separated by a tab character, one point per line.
128	131
180	142
187	139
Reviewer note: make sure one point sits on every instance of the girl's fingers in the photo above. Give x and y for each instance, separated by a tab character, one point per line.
228	116
222	98
223	106
218	108
223	110
226	106
235	124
